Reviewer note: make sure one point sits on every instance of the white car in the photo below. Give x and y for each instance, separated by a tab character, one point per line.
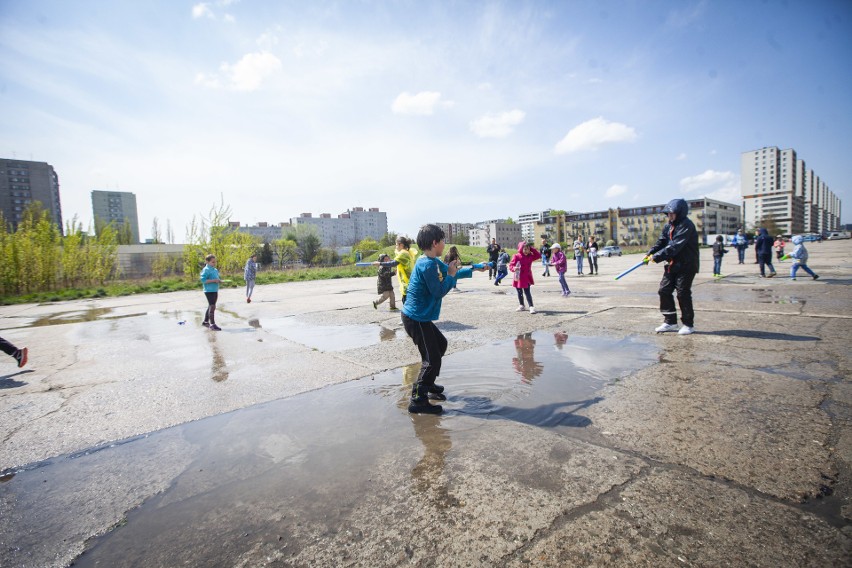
610	251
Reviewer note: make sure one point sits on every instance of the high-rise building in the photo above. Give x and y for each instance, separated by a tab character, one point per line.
347	228
507	234
21	183
264	231
775	184
116	207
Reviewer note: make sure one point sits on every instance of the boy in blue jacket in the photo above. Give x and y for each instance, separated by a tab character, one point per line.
430	281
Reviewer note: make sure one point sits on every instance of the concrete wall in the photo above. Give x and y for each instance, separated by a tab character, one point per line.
135	261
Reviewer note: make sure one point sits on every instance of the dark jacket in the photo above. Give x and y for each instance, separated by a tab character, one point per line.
678	243
383	282
719	249
493	252
763	243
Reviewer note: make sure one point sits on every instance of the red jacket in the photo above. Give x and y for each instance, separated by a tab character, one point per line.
524	262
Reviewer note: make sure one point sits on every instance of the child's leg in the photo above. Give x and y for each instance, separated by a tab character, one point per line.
667	303
528	294
563	283
794	269
432	345
382	297
808	270
520	297
7	347
210	316
392	299
249	288
683	285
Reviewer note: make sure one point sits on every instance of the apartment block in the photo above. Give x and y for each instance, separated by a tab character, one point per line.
117	207
508	235
347	228
776	184
643	225
453	230
21	183
265	232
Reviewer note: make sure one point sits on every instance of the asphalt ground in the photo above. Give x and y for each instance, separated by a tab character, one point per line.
575	435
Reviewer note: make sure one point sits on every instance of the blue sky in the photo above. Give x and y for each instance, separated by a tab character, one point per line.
454	111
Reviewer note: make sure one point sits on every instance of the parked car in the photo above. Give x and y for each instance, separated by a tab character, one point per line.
836	235
812	237
610	251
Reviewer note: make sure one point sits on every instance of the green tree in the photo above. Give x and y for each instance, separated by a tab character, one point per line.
214	235
460	239
327	256
286	250
367	246
266	254
307	240
388	240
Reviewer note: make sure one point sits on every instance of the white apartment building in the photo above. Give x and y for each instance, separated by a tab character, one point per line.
508	235
264	231
347	228
452	230
775	183
528	221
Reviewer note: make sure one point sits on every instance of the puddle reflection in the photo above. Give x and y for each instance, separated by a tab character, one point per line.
274	469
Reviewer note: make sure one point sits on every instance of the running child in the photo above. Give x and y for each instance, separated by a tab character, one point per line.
250	273
384	286
800	258
502	266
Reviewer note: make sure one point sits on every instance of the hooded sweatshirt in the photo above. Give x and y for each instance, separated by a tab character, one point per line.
558	260
800	253
524	262
763	242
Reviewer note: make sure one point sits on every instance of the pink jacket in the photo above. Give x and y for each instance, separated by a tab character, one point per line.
559	262
525	262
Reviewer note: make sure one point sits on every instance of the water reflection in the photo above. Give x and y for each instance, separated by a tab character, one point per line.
524	363
427	476
219	370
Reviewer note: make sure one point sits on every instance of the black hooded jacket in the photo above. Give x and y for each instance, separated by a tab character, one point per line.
678	243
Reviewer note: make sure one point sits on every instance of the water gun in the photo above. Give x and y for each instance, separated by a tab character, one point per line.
482	265
785	257
632	268
363	264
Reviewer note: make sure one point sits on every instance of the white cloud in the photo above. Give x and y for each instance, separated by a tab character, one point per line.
201	10
681	156
423	103
592	134
497	125
616	190
724	186
245	75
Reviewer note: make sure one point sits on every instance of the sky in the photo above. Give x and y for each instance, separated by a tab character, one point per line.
435	111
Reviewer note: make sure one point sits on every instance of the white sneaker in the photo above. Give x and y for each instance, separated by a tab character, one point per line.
686	330
532	310
520	309
666	327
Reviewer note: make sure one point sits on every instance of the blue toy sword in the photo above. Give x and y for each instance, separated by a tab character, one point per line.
632	268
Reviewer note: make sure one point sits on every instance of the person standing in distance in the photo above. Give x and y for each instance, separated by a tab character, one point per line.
493	251
678	248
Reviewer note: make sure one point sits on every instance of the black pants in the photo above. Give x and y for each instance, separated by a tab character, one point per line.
7	347
593	264
765	259
492	268
210	314
682	282
432	345
526	291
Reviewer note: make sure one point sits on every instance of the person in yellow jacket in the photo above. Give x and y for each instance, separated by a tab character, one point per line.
405	259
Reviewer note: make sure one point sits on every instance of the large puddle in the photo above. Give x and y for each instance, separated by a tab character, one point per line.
262	473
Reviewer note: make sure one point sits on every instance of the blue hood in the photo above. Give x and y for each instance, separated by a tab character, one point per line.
679	207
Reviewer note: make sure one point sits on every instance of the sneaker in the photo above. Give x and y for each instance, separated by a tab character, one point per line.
792	278
568	293
496	283
686	330
436	388
21	356
437	396
520	309
816	276
394	309
666	327
532	310
214	327
772	275
375	306
206	324
248	300
422	406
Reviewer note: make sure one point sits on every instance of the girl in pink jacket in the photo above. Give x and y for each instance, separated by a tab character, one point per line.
560	263
521	266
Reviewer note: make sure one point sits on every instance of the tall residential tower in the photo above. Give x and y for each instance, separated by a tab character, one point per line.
21	183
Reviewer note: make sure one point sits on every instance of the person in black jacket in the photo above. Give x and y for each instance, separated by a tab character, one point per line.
763	246
493	251
678	248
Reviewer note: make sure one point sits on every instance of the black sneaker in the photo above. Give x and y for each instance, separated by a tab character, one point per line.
436	388
214	327
422	406
437	396
21	357
205	324
816	276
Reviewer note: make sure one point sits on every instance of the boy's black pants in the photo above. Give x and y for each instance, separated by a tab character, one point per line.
432	345
682	282
7	347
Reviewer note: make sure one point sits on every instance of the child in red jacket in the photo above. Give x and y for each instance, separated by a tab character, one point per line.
521	266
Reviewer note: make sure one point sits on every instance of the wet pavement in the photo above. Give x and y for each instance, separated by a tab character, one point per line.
574	436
